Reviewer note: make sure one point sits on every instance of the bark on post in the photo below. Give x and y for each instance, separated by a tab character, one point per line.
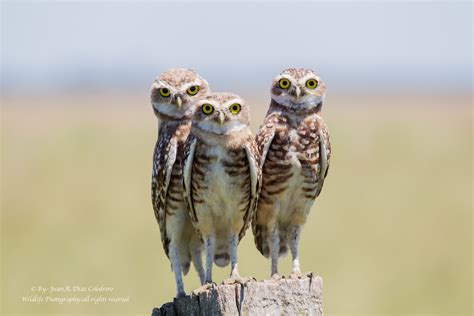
286	296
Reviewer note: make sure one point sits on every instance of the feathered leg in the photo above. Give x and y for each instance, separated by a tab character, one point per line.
294	239
234	274
234	241
210	242
177	268
275	251
197	261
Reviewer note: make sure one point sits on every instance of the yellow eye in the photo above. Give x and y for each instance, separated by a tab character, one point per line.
284	83
193	90
235	108
165	92
207	109
312	83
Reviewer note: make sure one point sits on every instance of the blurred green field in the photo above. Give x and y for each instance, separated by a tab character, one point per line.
391	233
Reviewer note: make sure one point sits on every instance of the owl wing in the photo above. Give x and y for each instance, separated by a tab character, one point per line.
263	141
189	149
265	135
255	182
164	158
324	153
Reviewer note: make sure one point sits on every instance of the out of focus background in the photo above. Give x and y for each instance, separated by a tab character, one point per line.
391	233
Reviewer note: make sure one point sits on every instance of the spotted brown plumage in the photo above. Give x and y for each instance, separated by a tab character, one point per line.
294	146
166	185
172	103
221	178
236	164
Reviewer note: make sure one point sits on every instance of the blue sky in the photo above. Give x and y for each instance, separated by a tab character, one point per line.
353	45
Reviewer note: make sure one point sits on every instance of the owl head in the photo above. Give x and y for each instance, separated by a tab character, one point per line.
298	89
174	92
221	113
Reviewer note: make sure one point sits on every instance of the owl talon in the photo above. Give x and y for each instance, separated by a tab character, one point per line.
237	280
276	277
204	288
297	275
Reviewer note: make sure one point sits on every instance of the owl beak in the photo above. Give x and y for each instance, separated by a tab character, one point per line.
179	101
297	93
221	118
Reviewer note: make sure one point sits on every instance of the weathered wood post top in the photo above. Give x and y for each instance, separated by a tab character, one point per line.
294	295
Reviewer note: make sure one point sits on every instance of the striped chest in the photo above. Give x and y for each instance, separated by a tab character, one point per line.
221	180
291	169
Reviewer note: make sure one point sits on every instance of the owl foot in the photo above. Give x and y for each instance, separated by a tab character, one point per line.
297	275
206	287
238	280
276	277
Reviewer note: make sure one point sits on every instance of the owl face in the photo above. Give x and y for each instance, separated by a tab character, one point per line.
298	88
221	114
174	92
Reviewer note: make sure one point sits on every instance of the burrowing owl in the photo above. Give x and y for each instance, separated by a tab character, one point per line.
221	176
172	96
294	146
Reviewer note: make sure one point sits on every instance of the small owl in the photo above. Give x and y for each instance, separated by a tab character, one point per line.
221	177
172	96
293	143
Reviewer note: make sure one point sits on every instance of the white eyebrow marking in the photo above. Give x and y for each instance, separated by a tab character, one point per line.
163	84
186	86
307	77
229	103
211	102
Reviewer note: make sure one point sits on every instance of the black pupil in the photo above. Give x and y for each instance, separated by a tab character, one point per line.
235	108
165	91
193	88
312	83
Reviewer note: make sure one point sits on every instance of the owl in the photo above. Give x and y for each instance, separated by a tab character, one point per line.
221	177
173	94
294	148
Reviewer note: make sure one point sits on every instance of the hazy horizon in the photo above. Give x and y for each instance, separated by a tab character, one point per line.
367	46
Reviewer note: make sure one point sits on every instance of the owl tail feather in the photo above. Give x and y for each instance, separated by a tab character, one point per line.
222	254
260	237
262	241
185	267
222	259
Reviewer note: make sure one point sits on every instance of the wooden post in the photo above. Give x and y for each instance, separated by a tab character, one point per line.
302	295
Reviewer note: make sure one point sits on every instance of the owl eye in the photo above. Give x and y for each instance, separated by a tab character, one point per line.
165	92
312	83
207	109
284	83
193	90
235	108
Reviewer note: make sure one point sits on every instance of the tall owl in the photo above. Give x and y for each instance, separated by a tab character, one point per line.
221	177
294	148
173	94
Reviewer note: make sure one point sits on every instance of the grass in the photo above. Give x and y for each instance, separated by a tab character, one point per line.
390	234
